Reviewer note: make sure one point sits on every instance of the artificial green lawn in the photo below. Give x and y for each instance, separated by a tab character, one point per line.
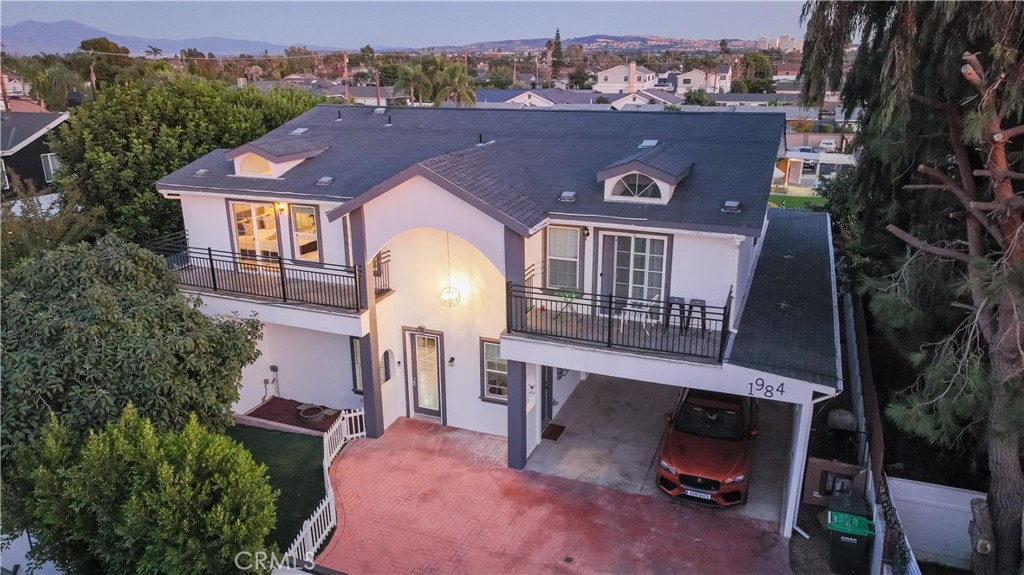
294	465
797	201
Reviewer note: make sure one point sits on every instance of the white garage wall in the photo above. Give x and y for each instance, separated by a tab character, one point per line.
313	367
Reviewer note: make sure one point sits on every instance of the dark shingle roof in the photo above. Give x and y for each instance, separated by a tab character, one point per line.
17	127
534	158
669	158
788	325
487	95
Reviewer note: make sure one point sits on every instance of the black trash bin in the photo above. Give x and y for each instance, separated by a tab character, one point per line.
850	538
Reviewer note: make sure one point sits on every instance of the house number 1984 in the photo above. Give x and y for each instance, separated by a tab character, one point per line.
760	388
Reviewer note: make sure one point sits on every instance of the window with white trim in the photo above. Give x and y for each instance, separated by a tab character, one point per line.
3	168
385	366
304	238
636	186
563	264
50	165
357	365
495	372
639	267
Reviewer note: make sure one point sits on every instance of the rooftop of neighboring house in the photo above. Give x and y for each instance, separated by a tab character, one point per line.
788	327
360	91
792	99
23	105
525	164
19	129
639	69
787	68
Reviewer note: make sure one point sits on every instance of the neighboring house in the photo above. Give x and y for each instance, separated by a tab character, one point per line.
15	86
786	71
625	79
721	79
368	95
692	80
526	79
640	99
472	266
754	99
23	148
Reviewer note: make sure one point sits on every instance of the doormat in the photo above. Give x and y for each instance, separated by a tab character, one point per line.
553	431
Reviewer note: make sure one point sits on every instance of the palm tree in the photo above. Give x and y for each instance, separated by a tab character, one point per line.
452	84
414	80
54	85
153	52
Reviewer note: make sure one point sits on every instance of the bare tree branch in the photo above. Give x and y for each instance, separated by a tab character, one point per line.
1016	202
1000	174
965	199
1008	134
925	246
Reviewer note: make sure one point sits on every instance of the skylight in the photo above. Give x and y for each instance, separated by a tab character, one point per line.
325	181
648	144
298	131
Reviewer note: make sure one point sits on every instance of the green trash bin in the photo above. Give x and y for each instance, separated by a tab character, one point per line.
850	538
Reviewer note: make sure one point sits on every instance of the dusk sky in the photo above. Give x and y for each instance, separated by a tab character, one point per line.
417	23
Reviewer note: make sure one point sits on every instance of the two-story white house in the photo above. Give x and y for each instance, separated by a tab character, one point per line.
473	266
717	81
625	79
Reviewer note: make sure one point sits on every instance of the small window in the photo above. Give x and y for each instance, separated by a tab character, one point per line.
304	238
686	81
357	365
50	165
625	78
639	79
495	372
385	366
254	165
606	78
3	168
563	257
636	186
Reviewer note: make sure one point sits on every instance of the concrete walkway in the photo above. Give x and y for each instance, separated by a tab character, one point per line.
431	499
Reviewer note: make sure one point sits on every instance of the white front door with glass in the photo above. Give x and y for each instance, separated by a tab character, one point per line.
255	231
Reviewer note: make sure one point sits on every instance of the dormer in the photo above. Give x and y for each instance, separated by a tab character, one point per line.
273	155
648	176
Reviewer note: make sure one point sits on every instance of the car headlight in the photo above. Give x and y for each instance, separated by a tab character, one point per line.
664	465
732	480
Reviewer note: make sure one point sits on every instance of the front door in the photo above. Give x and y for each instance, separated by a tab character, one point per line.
546	395
426	373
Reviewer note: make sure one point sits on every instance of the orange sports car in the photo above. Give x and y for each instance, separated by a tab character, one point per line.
706	451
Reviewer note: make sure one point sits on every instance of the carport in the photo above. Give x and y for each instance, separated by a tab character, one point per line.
784	352
612	430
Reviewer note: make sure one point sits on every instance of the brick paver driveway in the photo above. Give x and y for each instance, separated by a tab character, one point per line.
431	499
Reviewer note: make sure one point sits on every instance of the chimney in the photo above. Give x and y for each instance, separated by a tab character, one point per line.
632	78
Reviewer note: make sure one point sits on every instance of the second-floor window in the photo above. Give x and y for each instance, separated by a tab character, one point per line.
50	165
563	252
304	236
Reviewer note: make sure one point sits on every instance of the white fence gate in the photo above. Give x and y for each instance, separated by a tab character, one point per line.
314	531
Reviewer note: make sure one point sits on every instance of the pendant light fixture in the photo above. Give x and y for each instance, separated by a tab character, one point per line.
450	295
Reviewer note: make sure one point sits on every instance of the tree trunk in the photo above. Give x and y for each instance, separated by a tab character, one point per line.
1006	491
983	557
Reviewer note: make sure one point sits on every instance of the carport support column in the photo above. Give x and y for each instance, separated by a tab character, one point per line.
515	272
797	465
369	350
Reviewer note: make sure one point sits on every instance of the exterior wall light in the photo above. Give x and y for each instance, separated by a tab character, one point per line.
280	206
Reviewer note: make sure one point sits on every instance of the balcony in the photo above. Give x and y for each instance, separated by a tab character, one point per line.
693	329
270	276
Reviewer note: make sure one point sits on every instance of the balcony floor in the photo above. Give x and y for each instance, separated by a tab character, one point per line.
268	286
635	334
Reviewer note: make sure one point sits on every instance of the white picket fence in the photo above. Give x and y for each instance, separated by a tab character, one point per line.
315	529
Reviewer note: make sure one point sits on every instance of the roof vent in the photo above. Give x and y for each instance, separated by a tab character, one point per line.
201	173
325	181
731	206
298	131
339	116
648	144
379	111
567	197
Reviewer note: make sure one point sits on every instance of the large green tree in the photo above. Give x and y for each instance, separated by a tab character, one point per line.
114	148
133	499
452	84
88	329
942	89
698	97
414	81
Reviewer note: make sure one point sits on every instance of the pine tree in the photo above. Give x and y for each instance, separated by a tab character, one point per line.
557	58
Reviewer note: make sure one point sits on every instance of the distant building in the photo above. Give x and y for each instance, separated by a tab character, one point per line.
625	80
762	43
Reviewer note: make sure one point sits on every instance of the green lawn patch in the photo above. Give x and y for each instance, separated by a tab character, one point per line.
294	465
797	201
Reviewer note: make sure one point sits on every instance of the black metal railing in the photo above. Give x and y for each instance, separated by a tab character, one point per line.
381	273
680	327
265	275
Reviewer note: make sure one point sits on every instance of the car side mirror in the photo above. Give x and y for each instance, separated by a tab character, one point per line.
668	418
755	432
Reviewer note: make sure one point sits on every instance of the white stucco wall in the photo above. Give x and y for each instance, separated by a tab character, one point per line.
313	367
425	228
704	266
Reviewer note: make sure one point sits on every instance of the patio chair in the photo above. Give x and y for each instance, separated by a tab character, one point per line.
645	311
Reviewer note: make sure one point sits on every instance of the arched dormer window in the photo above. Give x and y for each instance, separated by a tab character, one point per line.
636	186
255	165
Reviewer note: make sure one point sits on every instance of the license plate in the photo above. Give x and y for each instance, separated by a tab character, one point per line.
697	494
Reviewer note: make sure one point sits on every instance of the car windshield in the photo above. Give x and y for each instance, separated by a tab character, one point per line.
709	421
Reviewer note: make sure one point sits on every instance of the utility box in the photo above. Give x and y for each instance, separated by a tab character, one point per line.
850	539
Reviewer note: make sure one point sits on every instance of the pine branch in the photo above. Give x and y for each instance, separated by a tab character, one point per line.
965	199
926	247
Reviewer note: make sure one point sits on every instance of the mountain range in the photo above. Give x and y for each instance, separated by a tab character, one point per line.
31	37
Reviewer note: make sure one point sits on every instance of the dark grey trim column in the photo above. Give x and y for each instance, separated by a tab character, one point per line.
515	272
369	347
